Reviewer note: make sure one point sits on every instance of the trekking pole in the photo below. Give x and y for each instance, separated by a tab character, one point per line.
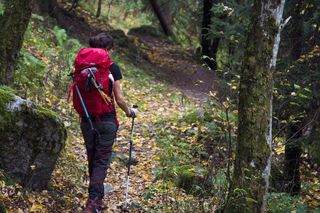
84	108
97	85
129	160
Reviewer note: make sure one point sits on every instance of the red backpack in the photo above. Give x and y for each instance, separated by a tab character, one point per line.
95	82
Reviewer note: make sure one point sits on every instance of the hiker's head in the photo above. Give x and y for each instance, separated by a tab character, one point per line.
102	40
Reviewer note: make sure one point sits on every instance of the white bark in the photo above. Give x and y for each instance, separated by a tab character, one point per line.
275	9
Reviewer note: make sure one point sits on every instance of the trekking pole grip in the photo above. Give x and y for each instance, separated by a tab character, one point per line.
134	107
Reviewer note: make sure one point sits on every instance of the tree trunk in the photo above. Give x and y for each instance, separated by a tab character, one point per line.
209	46
41	7
99	8
13	24
163	22
168	11
253	155
293	150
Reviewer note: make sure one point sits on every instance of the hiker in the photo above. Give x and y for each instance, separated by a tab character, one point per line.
99	149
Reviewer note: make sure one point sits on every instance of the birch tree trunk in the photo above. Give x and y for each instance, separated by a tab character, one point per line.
253	156
13	24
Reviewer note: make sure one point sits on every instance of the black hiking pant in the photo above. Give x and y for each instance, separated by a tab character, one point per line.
99	151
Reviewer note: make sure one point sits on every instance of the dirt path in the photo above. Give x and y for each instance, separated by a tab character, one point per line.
145	151
174	68
178	68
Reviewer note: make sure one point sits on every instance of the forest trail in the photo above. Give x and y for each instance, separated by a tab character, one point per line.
178	68
156	107
145	152
181	77
180	84
169	62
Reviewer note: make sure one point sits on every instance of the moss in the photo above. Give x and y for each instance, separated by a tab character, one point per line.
2	208
5	98
33	132
7	118
146	30
28	114
126	42
185	178
120	37
46	113
6	178
190	181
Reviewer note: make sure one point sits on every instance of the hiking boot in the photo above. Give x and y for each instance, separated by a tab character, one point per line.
92	206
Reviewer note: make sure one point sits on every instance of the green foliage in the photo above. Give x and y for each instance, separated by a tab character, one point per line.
1	8
220	183
187	145
2	208
177	163
65	50
68	46
5	98
5	179
297	78
281	202
121	14
186	22
30	74
37	17
230	21
145	30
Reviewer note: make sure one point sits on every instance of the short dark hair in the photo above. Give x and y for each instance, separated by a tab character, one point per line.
102	40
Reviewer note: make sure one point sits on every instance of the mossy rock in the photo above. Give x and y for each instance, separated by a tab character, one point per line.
188	180
127	44
31	139
146	30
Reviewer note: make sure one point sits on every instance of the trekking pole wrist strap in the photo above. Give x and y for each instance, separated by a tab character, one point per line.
131	114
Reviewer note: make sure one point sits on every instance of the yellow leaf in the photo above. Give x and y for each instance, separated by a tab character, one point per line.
36	207
170	184
315	203
146	177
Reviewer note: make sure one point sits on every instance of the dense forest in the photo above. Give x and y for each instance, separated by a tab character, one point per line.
228	109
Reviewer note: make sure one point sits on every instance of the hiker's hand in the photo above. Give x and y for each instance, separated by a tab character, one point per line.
133	112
